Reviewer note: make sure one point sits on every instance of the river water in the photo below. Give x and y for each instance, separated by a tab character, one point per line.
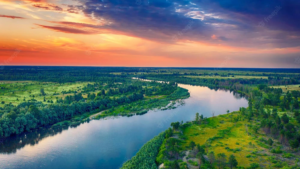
108	143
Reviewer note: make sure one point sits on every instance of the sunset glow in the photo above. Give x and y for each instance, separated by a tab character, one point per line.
150	33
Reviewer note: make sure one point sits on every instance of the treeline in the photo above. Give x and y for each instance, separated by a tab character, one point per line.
210	82
145	158
60	74
30	115
121	90
265	104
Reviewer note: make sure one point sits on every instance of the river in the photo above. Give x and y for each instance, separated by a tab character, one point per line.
108	143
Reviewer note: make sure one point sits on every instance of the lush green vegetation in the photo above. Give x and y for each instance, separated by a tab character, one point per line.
264	135
145	158
224	141
150	102
16	92
28	105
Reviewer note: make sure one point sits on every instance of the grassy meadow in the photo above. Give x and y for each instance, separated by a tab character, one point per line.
16	92
229	77
286	88
223	134
236	141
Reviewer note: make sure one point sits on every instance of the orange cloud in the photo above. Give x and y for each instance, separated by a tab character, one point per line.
48	7
11	17
68	30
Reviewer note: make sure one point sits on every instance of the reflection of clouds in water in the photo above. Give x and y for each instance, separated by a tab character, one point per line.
206	101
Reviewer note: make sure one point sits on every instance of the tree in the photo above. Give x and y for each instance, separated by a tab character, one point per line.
227	111
255	128
34	111
298	119
221	157
200	149
262	86
175	125
42	91
296	113
294	144
285	118
211	157
197	117
270	142
232	161
192	144
282	134
296	104
169	133
174	165
199	156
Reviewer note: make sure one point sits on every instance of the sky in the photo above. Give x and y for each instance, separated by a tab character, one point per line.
151	33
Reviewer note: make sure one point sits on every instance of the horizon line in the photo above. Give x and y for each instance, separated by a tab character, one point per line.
147	67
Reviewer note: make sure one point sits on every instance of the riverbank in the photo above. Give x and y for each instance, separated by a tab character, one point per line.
149	103
163	102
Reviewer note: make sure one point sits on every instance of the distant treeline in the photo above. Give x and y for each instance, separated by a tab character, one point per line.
72	74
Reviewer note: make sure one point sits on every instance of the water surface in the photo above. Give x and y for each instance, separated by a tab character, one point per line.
107	144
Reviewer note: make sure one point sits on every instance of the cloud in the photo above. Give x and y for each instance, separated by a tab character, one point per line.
67	30
157	20
48	7
248	23
76	24
234	22
11	17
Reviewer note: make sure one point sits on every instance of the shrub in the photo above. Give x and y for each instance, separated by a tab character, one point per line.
183	165
253	166
236	150
194	163
287	155
277	150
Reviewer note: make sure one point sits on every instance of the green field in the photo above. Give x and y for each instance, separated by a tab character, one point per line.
286	88
229	77
222	134
16	92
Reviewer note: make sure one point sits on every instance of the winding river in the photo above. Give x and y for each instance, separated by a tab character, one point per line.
108	143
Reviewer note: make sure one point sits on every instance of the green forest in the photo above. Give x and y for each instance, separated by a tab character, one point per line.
263	135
